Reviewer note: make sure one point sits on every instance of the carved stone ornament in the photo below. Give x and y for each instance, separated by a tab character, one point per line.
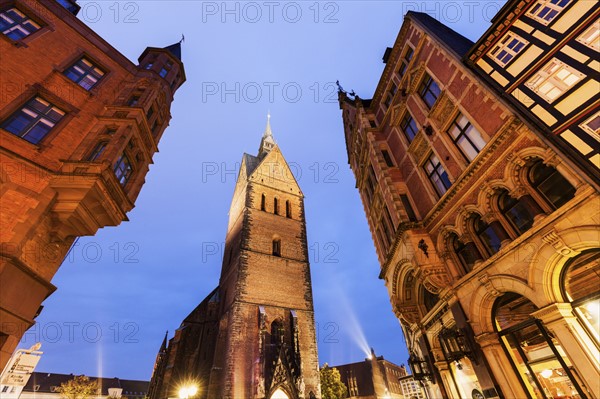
419	148
489	286
442	110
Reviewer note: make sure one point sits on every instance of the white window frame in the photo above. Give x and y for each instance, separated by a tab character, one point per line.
549	77
504	45
591	36
541	5
586	128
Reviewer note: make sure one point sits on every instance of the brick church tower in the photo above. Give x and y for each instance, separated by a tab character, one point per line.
254	335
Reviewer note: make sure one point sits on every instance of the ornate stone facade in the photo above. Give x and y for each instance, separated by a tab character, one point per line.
487	237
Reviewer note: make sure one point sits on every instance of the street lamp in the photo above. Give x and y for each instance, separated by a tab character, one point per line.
188	391
419	367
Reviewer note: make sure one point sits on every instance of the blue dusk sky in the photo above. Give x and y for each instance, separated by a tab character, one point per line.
119	291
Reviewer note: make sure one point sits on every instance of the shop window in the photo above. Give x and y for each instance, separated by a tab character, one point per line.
543	366
550	184
581	285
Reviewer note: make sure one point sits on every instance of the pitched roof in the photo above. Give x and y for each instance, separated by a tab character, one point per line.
457	42
175	49
48	382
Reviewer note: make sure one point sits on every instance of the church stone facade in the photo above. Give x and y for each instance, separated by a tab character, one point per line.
254	335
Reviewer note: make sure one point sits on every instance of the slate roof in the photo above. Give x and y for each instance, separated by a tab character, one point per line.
48	382
457	42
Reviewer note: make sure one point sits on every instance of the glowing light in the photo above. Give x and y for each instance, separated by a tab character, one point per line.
546	373
186	392
351	325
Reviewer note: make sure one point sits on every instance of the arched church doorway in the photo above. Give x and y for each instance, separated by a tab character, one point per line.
279	394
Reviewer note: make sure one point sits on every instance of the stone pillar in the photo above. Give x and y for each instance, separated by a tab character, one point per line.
559	319
500	365
446	379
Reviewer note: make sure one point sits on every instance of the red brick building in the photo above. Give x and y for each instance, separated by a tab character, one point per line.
79	125
254	335
487	236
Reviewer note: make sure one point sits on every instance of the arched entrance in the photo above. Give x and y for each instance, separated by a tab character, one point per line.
544	368
279	394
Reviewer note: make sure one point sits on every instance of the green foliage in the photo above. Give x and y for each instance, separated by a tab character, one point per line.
80	387
332	386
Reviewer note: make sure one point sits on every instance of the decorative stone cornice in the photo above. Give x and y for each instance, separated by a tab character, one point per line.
554	312
419	147
489	286
442	110
553	238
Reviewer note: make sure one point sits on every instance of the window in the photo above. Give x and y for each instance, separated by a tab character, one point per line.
515	211
409	127
16	25
387	158
98	150
507	48
371	183
133	101
84	73
388	223
437	175
545	11
553	80
550	184
149	65
165	69
34	120
592	125
288	209
581	284
591	36
408	54
390	95
408	208
123	169
467	254
263	201
372	124
110	130
276	206
487	235
150	113
429	91
466	137
277	247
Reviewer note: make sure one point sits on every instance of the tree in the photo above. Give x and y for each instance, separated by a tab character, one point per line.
80	387
332	386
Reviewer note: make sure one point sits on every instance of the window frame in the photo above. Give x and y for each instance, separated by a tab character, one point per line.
97	152
404	61
504	45
406	122
434	171
593	44
465	132
546	76
28	109
26	18
87	71
541	5
425	88
124	178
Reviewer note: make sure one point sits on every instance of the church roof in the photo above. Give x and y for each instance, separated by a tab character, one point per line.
251	163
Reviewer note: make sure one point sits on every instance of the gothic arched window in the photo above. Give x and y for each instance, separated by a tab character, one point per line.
276	247
277	332
550	184
487	234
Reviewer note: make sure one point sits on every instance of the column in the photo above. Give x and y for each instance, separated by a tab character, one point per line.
446	379
500	365
559	318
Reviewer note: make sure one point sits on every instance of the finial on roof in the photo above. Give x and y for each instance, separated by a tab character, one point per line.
267	142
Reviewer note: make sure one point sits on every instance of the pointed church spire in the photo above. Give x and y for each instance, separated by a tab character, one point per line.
163	346
268	142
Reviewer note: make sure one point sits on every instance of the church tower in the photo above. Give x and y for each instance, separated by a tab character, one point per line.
261	342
